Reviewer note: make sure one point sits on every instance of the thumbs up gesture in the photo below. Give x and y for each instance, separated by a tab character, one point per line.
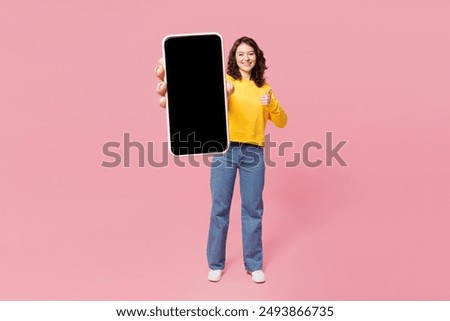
265	99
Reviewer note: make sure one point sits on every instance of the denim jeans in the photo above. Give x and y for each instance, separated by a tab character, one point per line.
249	161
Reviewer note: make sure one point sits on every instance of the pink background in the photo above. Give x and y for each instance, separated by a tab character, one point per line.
77	74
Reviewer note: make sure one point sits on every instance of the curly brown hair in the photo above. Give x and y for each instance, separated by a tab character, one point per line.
257	74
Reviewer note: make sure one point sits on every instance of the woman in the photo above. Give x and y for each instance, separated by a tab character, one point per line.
251	103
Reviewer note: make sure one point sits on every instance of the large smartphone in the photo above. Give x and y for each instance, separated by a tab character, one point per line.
196	94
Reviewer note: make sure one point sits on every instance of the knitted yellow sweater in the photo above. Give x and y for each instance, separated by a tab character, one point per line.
247	117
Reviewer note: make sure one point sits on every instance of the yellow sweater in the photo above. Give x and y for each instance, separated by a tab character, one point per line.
247	117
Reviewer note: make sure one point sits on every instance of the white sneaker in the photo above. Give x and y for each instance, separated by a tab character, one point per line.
258	276
214	275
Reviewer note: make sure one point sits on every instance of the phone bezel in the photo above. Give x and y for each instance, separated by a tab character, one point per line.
224	87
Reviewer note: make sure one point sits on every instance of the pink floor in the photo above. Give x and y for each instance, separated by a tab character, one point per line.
75	76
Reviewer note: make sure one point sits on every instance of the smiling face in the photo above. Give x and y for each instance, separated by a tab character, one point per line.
245	59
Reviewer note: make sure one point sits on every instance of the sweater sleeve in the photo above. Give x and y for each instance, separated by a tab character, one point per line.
276	112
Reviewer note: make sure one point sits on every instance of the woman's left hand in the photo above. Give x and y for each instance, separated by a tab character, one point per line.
265	99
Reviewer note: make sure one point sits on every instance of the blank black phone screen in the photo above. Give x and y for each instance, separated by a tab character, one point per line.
196	99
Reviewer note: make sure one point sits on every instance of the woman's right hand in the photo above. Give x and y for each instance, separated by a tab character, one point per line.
161	88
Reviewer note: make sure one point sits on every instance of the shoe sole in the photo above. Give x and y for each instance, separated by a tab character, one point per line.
213	280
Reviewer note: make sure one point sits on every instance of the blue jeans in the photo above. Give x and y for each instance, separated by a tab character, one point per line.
249	160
